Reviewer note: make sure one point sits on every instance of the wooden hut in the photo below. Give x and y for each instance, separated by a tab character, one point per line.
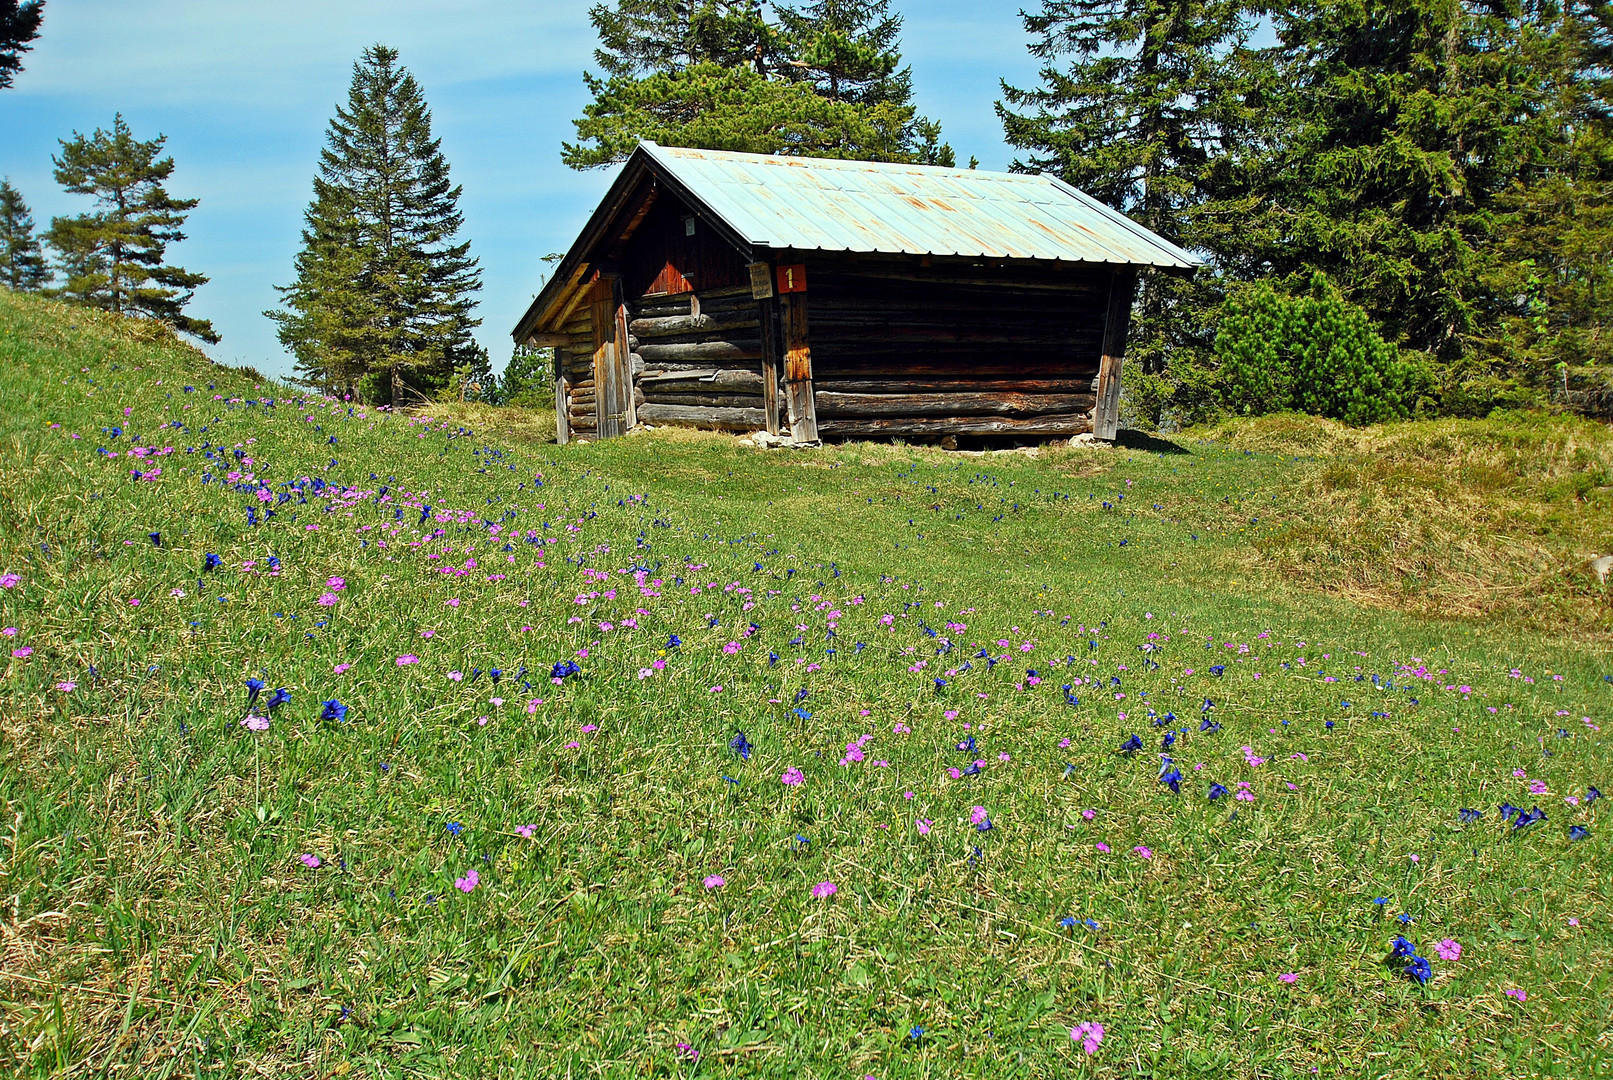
839	299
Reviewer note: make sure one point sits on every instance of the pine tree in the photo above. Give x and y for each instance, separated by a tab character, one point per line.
113	259
384	297
716	74
1145	104
22	263
19	28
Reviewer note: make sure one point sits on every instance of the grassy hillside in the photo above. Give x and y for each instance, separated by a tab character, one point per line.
504	824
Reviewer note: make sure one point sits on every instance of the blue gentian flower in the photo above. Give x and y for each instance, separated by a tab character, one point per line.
915	1033
213	561
1330	725
1068	922
1578	832
254	687
985	824
971	769
1208	725
772	658
1217	791
1592	795
278	698
495	674
1069	770
1380	900
1131	745
1218	669
1169	740
967	745
1469	816
1091	925
1535	814
1404	919
334	710
455	828
1173	779
740	746
156	539
1207	706
1507	810
1418	968
673	641
1402	947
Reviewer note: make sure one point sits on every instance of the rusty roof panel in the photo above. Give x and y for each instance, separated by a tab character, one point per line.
825	204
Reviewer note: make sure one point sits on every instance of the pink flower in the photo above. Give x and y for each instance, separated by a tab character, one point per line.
977	815
715	881
67	687
793	776
824	889
1519	994
1102	847
10	581
907	795
1288	977
1448	949
468	882
328	599
716	689
923	825
1573	922
310	861
256	723
1144	852
455	676
335	584
134	601
1089	1035
408	658
10	631
573	745
589	729
25	651
1089	814
526	830
428	633
339	668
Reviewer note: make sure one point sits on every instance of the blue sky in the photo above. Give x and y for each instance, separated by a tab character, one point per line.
244	92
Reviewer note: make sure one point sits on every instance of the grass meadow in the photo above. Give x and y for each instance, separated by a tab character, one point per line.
671	757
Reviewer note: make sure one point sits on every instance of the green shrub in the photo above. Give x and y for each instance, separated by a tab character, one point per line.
1315	354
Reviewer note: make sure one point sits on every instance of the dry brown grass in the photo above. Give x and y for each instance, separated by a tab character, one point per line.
1453	518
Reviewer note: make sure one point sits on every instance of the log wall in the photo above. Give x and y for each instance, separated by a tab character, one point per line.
899	348
575	361
697	359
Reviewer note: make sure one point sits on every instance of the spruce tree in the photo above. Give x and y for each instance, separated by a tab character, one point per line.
22	263
718	75
1145	104
113	259
384	297
19	28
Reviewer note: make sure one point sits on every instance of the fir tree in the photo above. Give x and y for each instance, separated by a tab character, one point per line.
1145	104
22	263
383	301
113	259
19	28
716	74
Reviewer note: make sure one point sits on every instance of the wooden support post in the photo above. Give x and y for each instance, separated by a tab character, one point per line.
562	400
798	369
624	365
770	364
1117	320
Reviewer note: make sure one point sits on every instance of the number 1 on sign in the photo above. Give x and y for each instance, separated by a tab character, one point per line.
792	279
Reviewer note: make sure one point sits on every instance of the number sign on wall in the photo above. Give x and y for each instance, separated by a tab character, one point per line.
792	279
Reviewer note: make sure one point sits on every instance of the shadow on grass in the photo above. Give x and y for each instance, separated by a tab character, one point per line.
1149	444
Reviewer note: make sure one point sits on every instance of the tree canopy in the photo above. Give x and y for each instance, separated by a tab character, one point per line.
22	263
19	29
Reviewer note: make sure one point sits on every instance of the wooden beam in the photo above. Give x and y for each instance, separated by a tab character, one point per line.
798	369
771	358
548	341
1067	424
624	364
562	402
702	416
1117	320
950	403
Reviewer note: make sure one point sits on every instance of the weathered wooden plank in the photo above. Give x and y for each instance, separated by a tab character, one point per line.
624	369
798	369
717	401
891	383
730	379
1106	416
832	403
673	325
703	416
695	369
1067	424
562	405
703	350
772	358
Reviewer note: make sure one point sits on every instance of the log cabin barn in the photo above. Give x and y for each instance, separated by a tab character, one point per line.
826	299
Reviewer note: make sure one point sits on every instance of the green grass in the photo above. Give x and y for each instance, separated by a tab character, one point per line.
157	919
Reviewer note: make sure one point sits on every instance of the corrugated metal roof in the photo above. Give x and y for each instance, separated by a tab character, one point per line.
823	204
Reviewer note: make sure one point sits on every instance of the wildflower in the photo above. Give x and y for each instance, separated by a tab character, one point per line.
688	1051
1404	919
156	539
923	825
1131	745
254	687
1535	814
1102	847
277	699
793	776
915	1033
10	580
715	881
67	687
310	861
1507	810
1089	1035
454	828
824	889
1418	968
256	723
740	746
1173	778
328	599
1217	791
1288	977
1591	796
1469	816
1578	832
1068	922
1519	994
334	710
1143	851
408	658
23	653
213	562
468	882
1401	947
526	830
1448	949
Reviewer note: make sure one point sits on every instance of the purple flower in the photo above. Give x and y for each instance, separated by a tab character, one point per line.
1089	1034
793	776
1448	949
468	882
824	889
310	861
715	881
